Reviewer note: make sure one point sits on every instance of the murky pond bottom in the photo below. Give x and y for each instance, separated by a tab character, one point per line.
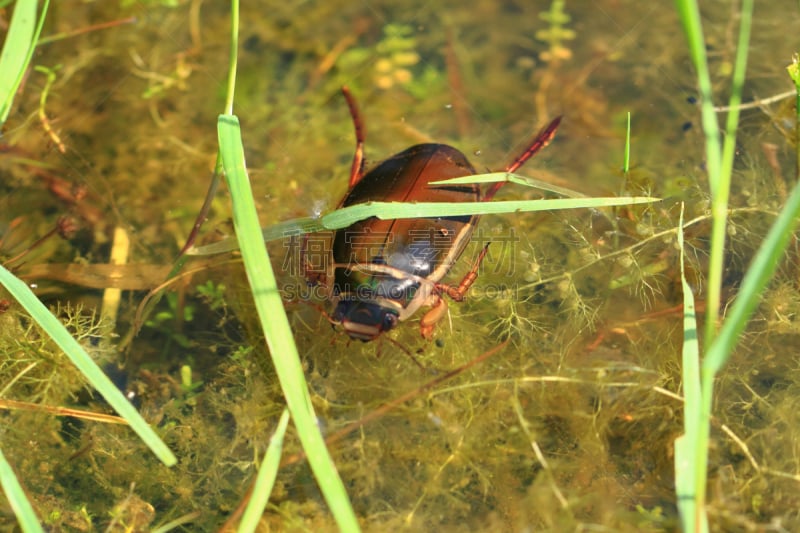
549	400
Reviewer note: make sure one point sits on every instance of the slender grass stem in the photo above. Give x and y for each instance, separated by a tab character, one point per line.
274	321
691	449
275	324
626	166
723	179
794	74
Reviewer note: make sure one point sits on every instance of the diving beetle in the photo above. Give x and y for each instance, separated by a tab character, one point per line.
379	272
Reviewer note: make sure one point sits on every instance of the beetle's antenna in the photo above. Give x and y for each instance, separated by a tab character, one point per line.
404	349
357	169
541	140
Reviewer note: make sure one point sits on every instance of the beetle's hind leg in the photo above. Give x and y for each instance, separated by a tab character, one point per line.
458	293
315	273
357	168
429	320
439	307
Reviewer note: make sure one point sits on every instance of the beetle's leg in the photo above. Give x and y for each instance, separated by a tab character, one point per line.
403	348
458	293
311	272
357	168
429	320
439	306
541	140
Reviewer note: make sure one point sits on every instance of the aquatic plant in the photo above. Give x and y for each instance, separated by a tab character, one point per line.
396	55
557	34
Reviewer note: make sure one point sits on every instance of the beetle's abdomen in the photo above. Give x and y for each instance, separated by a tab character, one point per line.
405	176
417	246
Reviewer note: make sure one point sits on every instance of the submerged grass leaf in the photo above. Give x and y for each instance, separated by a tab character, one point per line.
13	59
16	498
265	480
56	331
497	177
342	218
275	324
20	42
692	450
686	445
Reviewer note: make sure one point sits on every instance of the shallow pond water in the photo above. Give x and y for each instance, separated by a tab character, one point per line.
568	425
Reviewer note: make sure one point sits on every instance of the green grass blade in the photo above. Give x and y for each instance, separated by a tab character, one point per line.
56	331
276	325
693	448
489	177
233	58
265	479
18	50
342	218
16	498
13	59
720	184
759	273
495	177
794	73
626	164
755	280
737	83
689	13
687	468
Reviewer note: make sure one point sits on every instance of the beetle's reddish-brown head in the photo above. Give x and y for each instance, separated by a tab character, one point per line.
364	320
